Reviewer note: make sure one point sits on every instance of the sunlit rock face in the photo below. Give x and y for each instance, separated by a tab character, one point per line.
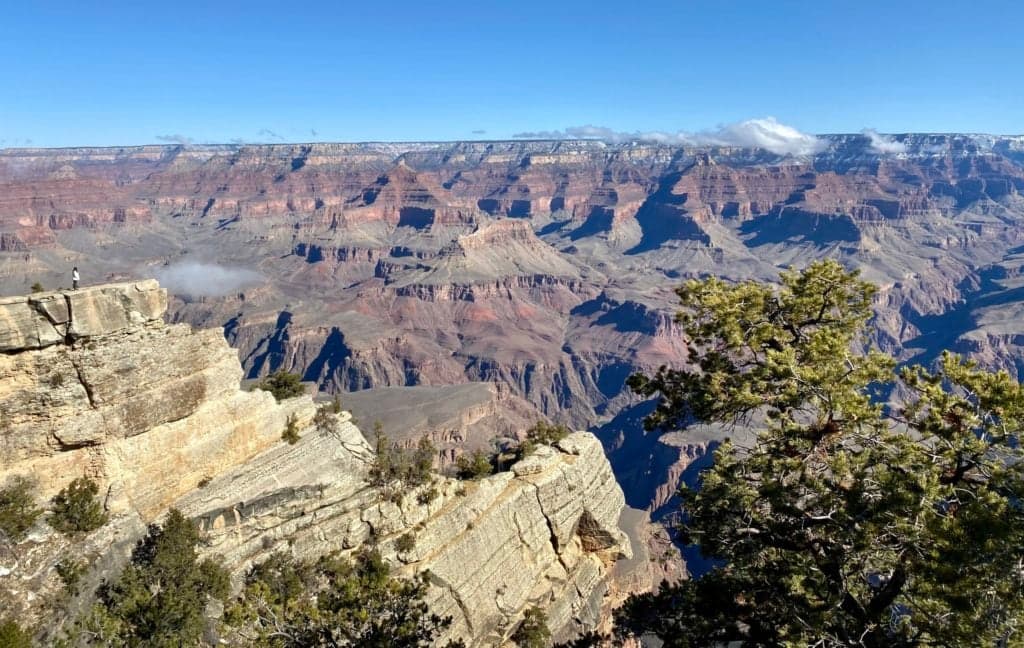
94	383
544	533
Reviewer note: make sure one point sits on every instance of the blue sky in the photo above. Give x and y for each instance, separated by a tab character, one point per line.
130	73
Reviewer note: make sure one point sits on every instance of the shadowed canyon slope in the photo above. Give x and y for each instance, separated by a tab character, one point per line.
544	267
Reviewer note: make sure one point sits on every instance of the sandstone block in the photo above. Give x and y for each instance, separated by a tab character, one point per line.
106	309
53	306
23	327
542	458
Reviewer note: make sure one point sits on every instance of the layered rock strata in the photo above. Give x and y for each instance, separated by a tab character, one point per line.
93	382
544	533
544	267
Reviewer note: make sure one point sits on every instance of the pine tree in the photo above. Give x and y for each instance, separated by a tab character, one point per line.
333	601
160	598
843	523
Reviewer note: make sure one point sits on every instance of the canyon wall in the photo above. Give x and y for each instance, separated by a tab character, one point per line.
545	268
93	382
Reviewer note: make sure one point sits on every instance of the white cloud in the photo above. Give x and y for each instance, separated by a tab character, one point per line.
766	133
598	132
200	279
882	144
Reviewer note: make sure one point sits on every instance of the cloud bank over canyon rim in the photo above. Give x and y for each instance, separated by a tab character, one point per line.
200	279
766	133
882	144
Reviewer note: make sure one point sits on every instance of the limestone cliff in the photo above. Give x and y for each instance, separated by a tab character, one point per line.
94	382
544	533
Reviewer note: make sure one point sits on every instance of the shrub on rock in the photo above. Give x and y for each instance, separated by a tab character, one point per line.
160	598
13	635
476	465
76	509
533	631
282	385
17	508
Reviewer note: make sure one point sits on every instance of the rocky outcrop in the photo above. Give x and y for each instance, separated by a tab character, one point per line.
93	382
545	533
44	319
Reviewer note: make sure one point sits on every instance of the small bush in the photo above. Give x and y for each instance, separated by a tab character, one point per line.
543	433
422	469
533	631
37	287
474	466
13	636
282	385
159	599
427	496
334	601
324	418
17	508
396	469
70	572
405	543
76	509
291	430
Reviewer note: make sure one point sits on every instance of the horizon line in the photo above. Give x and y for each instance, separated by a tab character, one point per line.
482	141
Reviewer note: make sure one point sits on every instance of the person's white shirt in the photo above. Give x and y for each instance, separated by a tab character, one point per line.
74	275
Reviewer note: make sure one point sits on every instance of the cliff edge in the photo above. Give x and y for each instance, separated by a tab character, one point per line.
93	382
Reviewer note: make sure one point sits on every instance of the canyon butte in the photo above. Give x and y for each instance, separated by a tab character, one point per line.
459	291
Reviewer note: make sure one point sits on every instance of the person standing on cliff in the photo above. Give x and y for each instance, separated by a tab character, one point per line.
74	278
